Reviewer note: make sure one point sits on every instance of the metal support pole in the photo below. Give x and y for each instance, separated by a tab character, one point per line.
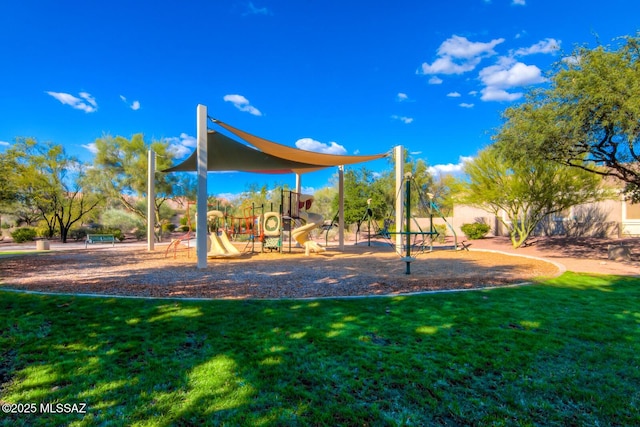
398	152
151	200
202	234
341	207
408	224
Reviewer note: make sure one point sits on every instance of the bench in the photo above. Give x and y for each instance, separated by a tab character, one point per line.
100	238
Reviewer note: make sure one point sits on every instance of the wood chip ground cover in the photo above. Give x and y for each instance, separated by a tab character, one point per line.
356	271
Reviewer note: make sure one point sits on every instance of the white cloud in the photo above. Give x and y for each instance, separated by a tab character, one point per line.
254	10
505	75
242	104
403	119
518	74
135	105
465	105
519	2
449	168
86	102
454	95
473	92
91	147
308	190
495	94
402	97
572	60
448	65
461	47
547	45
435	80
182	145
458	55
310	144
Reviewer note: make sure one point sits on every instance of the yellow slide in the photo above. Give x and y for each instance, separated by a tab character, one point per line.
301	234
220	246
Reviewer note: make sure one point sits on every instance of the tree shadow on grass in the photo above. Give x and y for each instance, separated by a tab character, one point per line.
429	360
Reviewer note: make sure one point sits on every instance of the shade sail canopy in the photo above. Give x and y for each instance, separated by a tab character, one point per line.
282	151
227	154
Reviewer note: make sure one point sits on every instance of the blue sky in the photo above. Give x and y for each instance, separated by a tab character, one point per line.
349	77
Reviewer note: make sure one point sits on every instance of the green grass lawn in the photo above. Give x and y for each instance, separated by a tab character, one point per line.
565	352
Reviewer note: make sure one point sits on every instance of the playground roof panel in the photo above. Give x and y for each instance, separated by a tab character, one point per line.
227	154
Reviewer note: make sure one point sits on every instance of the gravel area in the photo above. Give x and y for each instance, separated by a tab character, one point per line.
356	271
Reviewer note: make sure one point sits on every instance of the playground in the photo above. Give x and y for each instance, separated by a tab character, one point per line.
290	263
359	270
356	271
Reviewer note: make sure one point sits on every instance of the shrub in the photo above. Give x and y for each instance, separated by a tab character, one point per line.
442	232
168	228
78	233
42	230
476	230
117	233
120	219
140	233
24	234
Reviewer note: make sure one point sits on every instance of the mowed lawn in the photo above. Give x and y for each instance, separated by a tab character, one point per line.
563	352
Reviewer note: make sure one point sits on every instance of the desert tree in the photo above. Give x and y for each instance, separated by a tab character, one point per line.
522	192
120	172
51	183
588	117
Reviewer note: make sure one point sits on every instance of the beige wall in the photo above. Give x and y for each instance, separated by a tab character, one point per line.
463	214
594	219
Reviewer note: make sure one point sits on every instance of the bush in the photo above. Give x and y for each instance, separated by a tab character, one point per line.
78	233
168	228
120	220
140	233
42	230
442	232
475	231
117	233
24	234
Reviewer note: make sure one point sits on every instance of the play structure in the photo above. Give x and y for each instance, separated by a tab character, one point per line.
219	245
302	221
216	151
262	231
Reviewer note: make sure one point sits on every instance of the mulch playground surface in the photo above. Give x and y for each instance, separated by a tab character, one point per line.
357	271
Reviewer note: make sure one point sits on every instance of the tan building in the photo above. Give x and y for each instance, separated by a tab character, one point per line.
608	218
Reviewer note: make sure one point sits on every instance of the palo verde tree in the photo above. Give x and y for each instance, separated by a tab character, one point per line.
587	118
49	181
120	171
520	193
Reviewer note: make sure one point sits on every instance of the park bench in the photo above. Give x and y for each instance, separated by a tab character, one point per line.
100	238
